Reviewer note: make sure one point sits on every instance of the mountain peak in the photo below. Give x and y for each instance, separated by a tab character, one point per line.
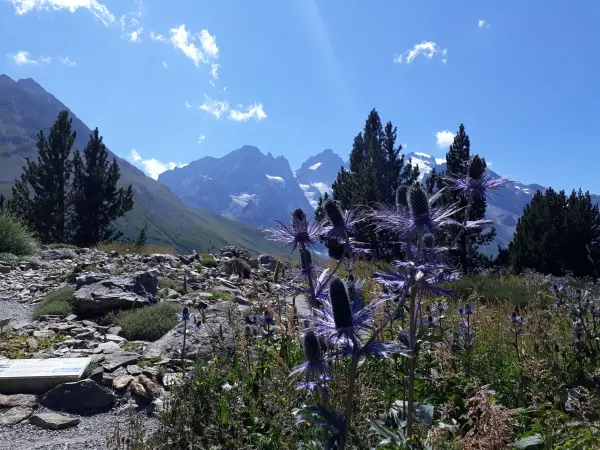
32	86
5	80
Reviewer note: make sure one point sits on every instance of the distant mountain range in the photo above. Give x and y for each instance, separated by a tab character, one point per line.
247	185
26	108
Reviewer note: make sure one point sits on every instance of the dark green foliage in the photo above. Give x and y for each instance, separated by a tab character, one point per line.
2	204
97	201
558	234
15	237
59	209
208	260
459	163
167	283
142	238
320	209
149	323
377	168
46	206
57	303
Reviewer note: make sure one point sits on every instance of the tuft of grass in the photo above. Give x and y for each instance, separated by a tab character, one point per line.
219	295
129	248
208	260
57	303
167	283
15	237
57	246
149	323
495	289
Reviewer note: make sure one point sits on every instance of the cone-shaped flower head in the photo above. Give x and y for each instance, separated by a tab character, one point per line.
334	214
417	200
300	224
184	315
340	303
300	232
312	347
401	196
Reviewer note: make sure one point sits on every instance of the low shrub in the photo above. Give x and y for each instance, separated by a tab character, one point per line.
149	323
57	246
15	237
57	303
208	260
167	283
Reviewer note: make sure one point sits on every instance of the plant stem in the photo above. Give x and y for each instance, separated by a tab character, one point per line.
350	397
183	349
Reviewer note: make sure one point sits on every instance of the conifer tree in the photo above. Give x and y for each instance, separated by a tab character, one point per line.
460	163
142	238
97	201
41	196
2	203
377	168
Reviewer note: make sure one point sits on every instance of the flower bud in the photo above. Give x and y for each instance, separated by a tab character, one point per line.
312	347
340	303
334	214
417	200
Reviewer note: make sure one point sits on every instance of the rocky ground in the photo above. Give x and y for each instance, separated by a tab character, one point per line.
124	376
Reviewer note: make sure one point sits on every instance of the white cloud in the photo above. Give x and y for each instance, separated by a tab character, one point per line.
67	62
183	40
164	64
483	24
187	105
158	37
134	36
252	112
46	59
99	10
426	48
152	167
212	83
444	138
214	107
214	71
209	44
23	57
201	139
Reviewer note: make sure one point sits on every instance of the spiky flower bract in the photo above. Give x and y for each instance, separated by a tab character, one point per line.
184	315
470	184
301	232
315	366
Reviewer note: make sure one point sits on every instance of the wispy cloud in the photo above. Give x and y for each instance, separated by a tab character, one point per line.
252	112
188	105
164	64
481	23
99	10
185	41
23	57
68	62
214	71
134	36
158	37
152	167
201	139
426	48
444	138
214	107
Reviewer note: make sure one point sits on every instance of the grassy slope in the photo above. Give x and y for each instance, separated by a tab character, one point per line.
170	221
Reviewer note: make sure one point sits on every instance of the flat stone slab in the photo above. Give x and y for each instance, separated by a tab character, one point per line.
20	376
53	421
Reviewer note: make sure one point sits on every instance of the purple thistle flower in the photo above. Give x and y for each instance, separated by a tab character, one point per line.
477	186
341	322
301	232
341	224
518	321
467	310
422	215
315	366
184	315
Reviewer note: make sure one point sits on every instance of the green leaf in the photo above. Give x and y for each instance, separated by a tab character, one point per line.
530	442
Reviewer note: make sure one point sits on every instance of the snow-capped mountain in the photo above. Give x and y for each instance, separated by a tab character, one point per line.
317	174
245	185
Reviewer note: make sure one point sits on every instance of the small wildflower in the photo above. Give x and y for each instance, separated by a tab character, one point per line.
467	310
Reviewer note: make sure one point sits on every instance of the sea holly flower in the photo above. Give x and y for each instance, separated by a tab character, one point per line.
518	321
421	217
467	310
301	232
315	366
470	185
184	315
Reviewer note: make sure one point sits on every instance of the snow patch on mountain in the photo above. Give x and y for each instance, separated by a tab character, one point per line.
323	188
315	166
275	179
424	155
243	198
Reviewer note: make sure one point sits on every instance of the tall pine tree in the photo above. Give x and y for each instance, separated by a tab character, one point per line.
377	168
41	196
97	201
459	163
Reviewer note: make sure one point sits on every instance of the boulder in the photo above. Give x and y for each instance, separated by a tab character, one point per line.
118	292
53	421
15	415
84	396
25	400
59	253
216	332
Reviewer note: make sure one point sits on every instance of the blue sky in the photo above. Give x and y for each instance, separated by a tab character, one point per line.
181	79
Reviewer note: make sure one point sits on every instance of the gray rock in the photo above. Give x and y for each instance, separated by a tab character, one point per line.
218	332
53	421
121	382
58	254
10	401
134	370
90	278
97	375
119	292
116	360
114	330
71	317
4	269
239	300
15	415
79	397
